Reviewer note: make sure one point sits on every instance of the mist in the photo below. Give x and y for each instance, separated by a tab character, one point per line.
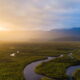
40	36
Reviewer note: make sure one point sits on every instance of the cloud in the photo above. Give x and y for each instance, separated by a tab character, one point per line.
39	14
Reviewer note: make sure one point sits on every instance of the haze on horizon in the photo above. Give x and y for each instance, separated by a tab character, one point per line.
18	18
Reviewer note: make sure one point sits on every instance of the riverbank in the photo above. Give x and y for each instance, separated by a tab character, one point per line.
57	68
11	67
29	71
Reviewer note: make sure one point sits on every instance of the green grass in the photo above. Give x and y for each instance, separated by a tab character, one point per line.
45	78
77	75
11	68
57	68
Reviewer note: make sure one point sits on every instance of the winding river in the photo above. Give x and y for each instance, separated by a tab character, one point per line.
71	70
29	73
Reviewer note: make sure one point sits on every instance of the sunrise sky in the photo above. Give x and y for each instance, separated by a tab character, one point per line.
39	14
19	15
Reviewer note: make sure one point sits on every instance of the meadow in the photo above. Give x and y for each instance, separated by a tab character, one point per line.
77	75
11	67
56	68
46	78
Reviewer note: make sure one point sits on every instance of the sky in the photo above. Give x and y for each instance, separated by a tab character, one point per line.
39	14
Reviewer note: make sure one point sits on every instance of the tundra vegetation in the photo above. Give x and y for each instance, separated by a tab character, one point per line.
76	75
11	67
46	78
56	68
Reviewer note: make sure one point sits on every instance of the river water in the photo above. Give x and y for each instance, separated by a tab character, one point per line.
29	73
71	70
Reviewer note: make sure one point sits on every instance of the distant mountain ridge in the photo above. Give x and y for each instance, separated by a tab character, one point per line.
72	34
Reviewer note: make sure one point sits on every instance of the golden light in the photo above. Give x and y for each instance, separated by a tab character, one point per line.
3	27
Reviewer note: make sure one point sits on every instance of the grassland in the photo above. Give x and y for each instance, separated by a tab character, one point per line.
77	75
57	68
46	78
11	68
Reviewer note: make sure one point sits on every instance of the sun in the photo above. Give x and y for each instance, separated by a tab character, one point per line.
3	27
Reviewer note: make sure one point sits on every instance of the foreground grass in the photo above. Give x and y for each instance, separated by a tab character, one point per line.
77	75
57	68
11	68
45	78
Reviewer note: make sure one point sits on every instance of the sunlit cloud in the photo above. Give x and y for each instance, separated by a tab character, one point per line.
40	14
